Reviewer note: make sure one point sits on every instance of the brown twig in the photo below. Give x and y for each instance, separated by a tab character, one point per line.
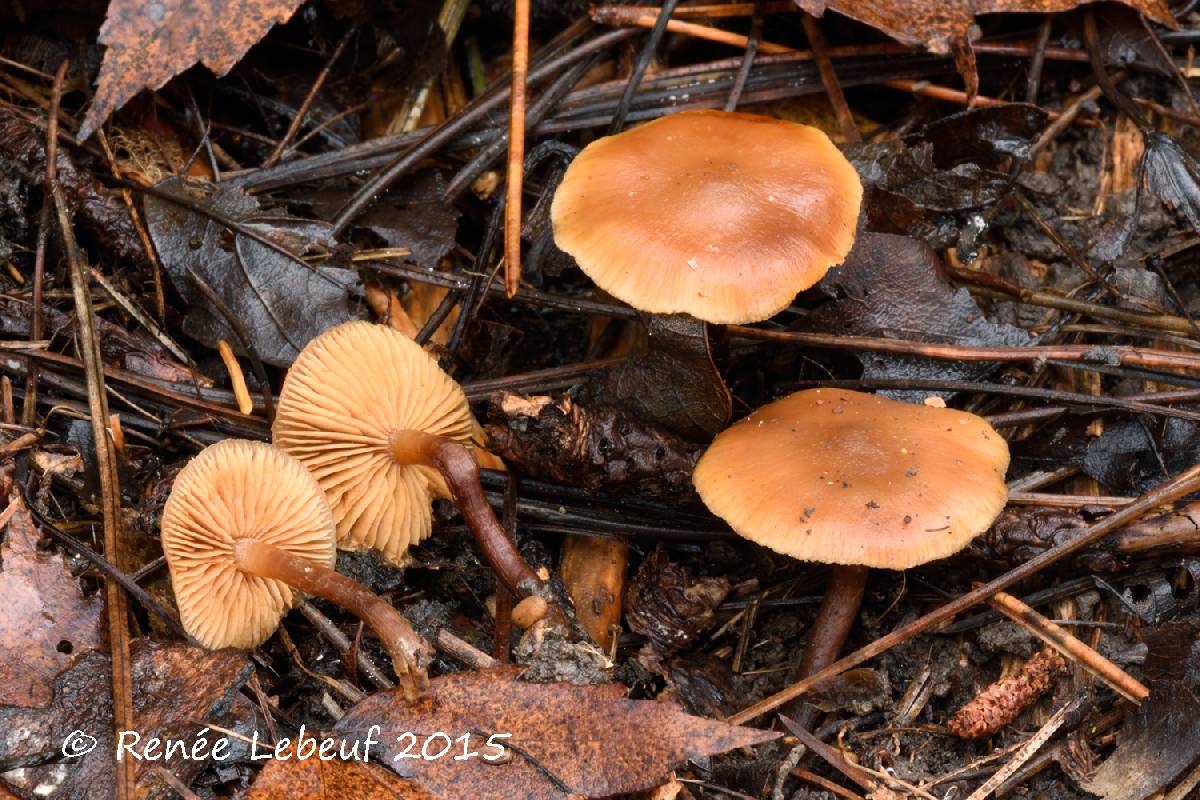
1183	484
516	150
946	94
302	112
461	651
37	325
1121	681
116	601
1125	355
816	43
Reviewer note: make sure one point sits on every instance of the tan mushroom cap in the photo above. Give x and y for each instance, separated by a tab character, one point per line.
720	215
850	478
345	394
237	490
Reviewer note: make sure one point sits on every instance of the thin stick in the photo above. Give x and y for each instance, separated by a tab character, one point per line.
302	112
36	327
236	379
1183	484
456	648
1027	750
1121	681
516	150
816	43
110	490
1127	356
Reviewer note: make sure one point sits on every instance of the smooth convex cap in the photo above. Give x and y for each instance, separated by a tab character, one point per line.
720	215
846	477
240	490
348	391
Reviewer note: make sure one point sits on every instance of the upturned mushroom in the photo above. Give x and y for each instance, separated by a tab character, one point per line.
856	481
721	215
383	430
245	529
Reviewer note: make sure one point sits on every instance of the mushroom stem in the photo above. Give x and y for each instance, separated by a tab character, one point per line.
459	468
410	653
835	618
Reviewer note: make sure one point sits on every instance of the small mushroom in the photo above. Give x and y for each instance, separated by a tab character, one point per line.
383	430
720	215
245	528
856	481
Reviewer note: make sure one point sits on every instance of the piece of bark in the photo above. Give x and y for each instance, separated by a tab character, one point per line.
599	449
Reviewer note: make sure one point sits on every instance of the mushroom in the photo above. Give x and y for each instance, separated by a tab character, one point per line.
857	481
245	528
383	430
721	215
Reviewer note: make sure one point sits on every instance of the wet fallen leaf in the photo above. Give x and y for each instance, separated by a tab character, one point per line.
150	43
46	621
281	303
133	351
178	690
893	286
1163	737
313	779
955	163
564	739
672	382
943	24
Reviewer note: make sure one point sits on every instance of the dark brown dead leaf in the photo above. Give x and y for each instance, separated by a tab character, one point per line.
313	779
672	383
941	25
281	303
565	739
177	690
46	621
1163	737
956	163
150	43
893	286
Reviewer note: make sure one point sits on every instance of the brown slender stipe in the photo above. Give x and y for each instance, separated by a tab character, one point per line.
394	631
461	473
245	529
384	430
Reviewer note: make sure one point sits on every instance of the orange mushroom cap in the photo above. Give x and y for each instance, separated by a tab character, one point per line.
845	477
349	389
235	490
720	215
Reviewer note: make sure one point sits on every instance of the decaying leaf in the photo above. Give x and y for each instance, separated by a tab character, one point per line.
893	286
150	43
177	690
563	739
955	163
944	24
672	382
281	303
46	621
314	779
1163	737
